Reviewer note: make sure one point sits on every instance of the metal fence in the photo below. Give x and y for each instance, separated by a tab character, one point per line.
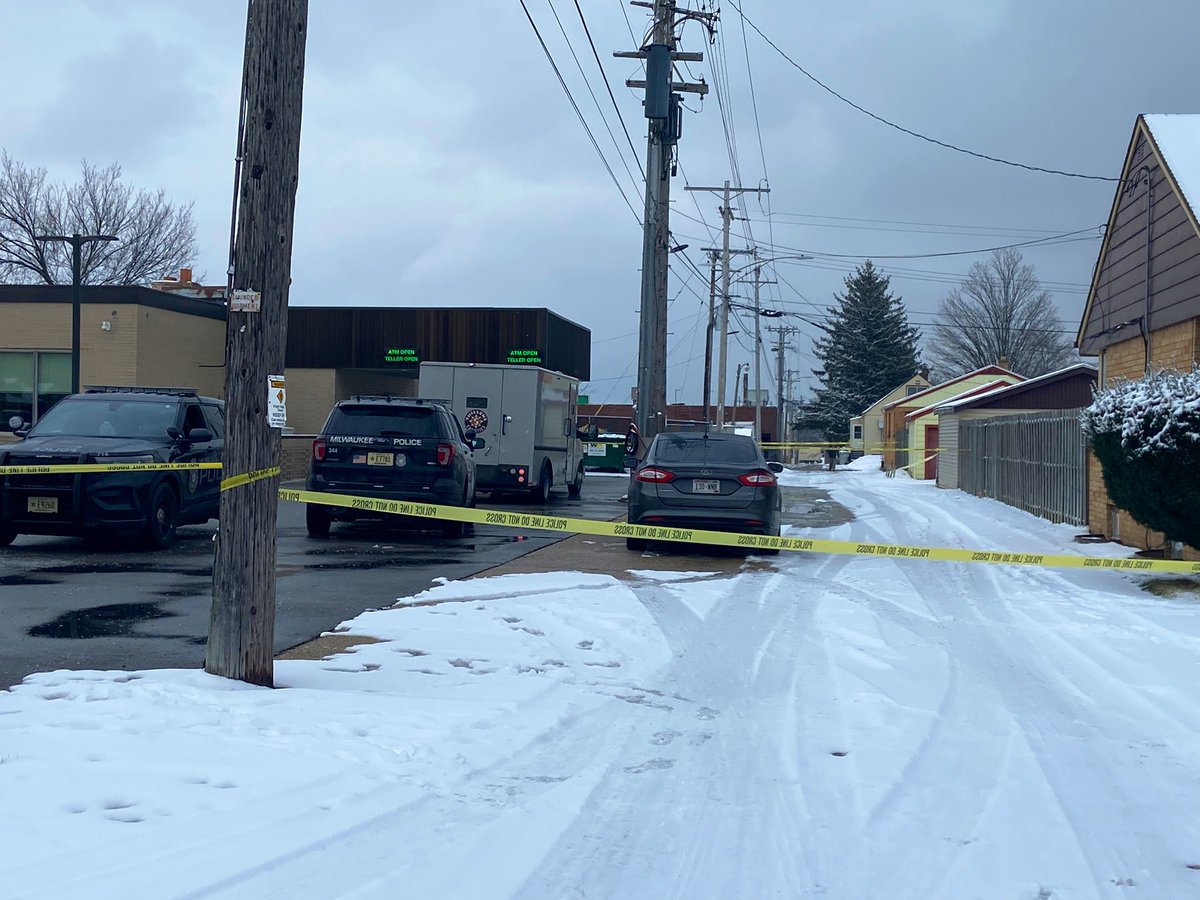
1035	461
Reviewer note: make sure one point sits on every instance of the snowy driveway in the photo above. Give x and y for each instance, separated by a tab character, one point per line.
840	727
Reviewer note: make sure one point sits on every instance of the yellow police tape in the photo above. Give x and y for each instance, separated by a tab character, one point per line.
248	477
565	524
103	467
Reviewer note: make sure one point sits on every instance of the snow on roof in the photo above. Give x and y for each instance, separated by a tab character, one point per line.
963	399
986	370
1178	139
967	394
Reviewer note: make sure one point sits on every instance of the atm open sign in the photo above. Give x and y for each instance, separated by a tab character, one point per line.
276	401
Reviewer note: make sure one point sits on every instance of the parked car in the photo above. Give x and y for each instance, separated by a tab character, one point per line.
115	425
698	479
394	448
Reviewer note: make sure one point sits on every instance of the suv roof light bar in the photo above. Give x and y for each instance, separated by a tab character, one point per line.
389	398
134	389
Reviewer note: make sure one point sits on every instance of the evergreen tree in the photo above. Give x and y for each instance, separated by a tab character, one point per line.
868	349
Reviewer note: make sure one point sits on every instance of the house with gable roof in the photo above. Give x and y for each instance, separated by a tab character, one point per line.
910	424
1143	305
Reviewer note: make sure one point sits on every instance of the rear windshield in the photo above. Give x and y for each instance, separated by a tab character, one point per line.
384	421
689	449
122	418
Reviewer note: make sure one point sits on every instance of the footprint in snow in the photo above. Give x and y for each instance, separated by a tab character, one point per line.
662	738
649	765
707	712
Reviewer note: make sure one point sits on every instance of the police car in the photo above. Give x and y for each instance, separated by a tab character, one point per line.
393	448
115	425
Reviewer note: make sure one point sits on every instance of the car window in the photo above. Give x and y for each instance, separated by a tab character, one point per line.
670	448
193	418
122	418
407	421
216	419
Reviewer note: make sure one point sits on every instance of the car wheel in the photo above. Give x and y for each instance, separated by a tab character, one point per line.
456	529
575	488
774	551
162	518
541	494
635	543
317	520
8	534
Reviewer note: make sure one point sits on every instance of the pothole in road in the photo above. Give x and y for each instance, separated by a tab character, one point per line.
113	620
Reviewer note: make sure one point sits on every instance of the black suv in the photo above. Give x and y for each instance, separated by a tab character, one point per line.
115	425
394	448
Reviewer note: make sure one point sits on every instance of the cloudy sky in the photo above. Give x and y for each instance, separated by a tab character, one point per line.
442	163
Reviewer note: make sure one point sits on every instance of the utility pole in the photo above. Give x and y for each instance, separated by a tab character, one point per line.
241	630
758	354
663	110
76	241
708	334
726	218
781	404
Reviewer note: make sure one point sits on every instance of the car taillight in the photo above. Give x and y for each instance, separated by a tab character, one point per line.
654	475
445	454
757	477
319	449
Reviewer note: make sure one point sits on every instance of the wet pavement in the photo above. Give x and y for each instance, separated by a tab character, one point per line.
73	604
70	603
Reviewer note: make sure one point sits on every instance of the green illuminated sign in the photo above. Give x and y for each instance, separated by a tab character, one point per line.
401	355
527	357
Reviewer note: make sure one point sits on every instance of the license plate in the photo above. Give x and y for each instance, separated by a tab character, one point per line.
42	505
380	459
706	487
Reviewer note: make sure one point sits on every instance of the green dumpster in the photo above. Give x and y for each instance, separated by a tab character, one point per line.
605	453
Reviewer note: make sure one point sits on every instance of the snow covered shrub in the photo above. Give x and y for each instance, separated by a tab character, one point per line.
1146	435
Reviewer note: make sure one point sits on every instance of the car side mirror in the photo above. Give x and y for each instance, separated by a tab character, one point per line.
631	462
478	443
199	435
775	467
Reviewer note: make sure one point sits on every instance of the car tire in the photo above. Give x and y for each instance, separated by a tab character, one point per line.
317	521
8	534
162	518
541	493
635	543
575	488
774	551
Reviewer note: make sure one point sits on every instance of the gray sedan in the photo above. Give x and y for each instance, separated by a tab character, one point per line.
708	480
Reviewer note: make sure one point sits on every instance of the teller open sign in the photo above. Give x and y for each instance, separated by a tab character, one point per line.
276	401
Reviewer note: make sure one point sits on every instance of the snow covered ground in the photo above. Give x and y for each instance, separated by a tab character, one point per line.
836	727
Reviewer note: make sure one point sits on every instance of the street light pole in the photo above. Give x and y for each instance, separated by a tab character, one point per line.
76	241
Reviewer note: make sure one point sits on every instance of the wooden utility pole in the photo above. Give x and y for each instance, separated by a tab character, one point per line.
663	110
708	334
241	631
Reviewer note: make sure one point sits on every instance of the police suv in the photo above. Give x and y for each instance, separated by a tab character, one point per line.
115	425
393	448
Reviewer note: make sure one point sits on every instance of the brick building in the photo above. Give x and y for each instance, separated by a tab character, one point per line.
1143	307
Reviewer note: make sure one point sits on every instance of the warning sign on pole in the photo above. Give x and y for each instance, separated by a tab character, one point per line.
276	401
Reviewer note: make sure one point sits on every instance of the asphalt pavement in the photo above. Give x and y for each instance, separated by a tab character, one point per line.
72	604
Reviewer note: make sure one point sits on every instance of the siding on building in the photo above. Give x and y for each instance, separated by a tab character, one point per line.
947	473
873	437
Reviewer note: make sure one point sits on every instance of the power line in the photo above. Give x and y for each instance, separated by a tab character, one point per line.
611	96
989	228
909	131
575	106
1067	237
603	118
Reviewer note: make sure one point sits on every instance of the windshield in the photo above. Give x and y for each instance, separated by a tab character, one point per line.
406	421
670	448
122	418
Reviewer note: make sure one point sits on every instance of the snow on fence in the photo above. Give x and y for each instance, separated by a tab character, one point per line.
1035	461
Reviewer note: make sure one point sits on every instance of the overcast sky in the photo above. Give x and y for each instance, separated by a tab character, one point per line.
442	164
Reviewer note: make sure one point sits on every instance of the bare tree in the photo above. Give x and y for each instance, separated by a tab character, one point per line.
1000	313
155	236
